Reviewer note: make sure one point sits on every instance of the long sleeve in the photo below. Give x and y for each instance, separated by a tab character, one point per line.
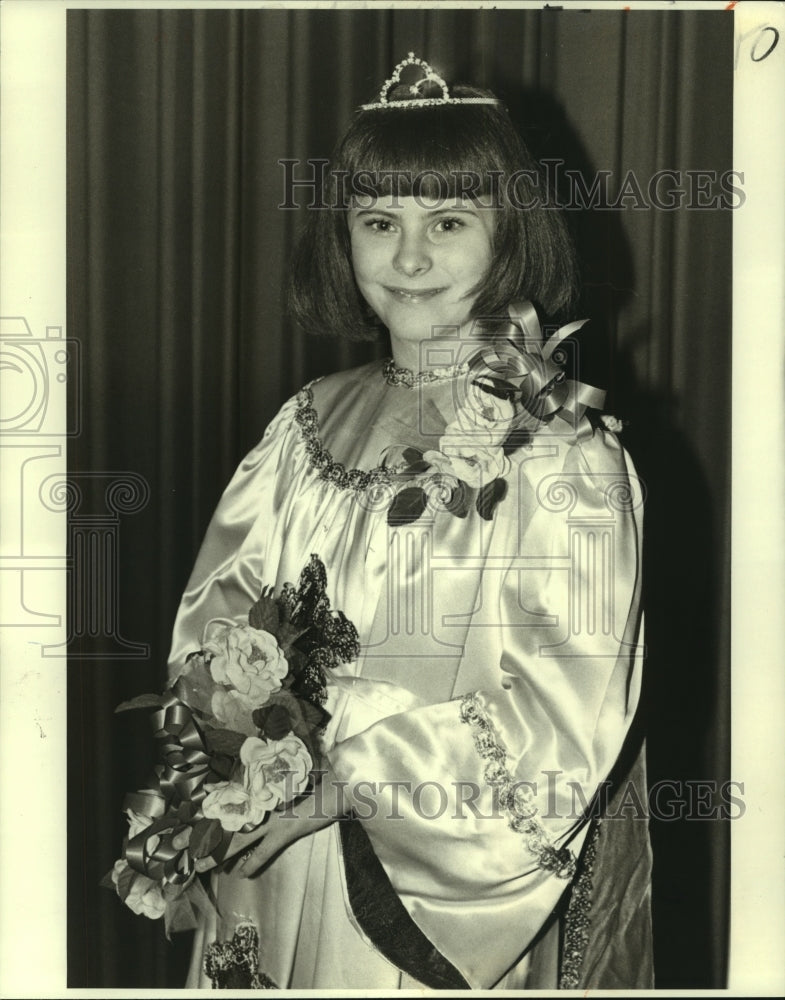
233	559
475	804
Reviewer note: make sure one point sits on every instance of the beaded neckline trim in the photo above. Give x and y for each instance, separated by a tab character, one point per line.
394	375
321	459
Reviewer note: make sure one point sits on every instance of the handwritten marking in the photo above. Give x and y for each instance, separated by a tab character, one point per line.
759	33
770	49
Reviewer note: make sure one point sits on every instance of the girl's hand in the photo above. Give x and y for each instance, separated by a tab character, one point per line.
312	813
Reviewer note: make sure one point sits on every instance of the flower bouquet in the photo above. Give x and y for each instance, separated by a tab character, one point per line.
238	733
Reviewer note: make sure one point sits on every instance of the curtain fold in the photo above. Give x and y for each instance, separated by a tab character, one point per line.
178	252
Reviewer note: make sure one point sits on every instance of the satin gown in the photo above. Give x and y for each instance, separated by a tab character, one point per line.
495	652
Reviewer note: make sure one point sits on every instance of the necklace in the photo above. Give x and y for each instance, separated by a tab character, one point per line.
394	375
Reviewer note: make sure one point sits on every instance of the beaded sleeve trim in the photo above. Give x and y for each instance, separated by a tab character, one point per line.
577	923
515	798
320	458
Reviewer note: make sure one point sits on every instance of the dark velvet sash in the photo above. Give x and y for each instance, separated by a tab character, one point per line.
385	920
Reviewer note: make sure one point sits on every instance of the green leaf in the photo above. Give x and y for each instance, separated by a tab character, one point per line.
107	882
411	456
221	765
407	507
517	438
288	633
195	686
286	700
489	496
264	614
458	504
124	882
296	659
141	701
205	837
224	741
305	718
498	387
313	715
273	720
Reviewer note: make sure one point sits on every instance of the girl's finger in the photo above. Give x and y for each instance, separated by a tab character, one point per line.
253	859
242	841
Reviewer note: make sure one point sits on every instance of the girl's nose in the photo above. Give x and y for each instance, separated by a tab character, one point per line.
412	256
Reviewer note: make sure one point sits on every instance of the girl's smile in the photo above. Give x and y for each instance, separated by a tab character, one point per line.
420	263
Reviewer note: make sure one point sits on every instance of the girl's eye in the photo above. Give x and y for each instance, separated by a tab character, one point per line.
449	225
380	225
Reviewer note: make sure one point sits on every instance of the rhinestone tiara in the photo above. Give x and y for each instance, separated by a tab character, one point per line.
428	76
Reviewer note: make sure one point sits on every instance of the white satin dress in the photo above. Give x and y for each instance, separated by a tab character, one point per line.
493	651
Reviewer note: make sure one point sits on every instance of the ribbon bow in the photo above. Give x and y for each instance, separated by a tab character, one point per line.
160	851
176	845
186	760
164	850
523	370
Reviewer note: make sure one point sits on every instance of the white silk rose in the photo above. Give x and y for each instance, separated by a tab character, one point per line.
473	464
612	423
249	660
471	446
232	805
275	770
144	897
485	412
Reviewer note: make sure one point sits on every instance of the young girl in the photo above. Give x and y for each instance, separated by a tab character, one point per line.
481	527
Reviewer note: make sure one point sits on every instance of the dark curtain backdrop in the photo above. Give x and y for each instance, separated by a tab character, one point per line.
177	253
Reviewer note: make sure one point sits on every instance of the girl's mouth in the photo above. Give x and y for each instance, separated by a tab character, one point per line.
413	296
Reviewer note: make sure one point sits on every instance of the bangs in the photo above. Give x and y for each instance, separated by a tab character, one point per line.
436	153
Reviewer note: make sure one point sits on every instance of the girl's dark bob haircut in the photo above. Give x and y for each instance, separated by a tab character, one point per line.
469	150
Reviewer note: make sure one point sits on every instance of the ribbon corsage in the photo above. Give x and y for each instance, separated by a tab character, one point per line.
515	386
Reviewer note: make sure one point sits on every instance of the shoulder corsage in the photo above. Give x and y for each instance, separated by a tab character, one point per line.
515	384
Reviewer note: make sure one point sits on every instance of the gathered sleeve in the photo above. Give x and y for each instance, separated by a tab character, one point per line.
477	805
233	560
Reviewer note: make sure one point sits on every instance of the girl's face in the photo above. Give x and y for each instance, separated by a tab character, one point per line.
416	261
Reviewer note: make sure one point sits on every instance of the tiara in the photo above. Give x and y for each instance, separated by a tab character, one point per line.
428	76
